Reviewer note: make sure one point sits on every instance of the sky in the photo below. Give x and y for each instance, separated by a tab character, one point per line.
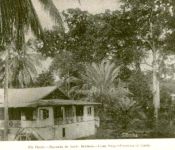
92	6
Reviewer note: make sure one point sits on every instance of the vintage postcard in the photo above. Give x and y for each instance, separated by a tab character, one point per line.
87	74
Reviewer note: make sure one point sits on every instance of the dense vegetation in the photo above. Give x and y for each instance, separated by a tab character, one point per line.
102	58
116	38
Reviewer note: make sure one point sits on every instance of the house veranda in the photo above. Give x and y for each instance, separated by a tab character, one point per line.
32	117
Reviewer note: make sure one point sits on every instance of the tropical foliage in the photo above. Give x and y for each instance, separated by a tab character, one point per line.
98	81
93	54
22	66
18	16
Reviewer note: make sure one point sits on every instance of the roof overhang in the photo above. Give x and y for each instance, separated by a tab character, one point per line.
33	97
60	102
52	102
20	97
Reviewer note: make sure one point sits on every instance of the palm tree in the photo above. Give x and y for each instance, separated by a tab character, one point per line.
17	17
98	82
22	67
101	78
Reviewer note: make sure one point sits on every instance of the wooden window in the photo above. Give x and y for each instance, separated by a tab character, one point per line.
79	110
44	114
68	111
58	112
29	113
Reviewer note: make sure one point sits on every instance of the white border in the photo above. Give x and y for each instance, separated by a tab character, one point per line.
124	144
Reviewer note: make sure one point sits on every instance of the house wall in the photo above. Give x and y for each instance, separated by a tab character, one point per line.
45	122
70	130
76	130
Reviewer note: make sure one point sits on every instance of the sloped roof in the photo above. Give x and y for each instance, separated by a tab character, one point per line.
57	102
25	96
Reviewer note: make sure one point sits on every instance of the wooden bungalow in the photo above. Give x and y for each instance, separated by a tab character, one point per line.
33	116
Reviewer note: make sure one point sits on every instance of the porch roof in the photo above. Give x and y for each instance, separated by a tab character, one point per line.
23	97
58	102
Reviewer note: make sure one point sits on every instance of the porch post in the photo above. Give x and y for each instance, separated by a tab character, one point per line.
51	115
63	112
23	117
84	113
93	111
74	113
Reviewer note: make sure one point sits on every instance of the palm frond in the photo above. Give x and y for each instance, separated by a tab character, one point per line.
22	68
33	21
54	13
16	17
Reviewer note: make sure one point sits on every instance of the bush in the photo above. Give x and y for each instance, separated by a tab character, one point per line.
163	129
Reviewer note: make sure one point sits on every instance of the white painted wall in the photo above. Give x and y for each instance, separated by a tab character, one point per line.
72	131
45	122
46	129
76	130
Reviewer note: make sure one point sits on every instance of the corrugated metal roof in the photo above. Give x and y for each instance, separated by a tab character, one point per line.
20	97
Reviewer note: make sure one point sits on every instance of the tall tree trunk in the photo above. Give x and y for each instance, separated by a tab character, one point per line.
156	90
68	84
6	116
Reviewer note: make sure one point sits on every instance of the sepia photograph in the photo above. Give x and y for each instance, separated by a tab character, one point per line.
87	70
